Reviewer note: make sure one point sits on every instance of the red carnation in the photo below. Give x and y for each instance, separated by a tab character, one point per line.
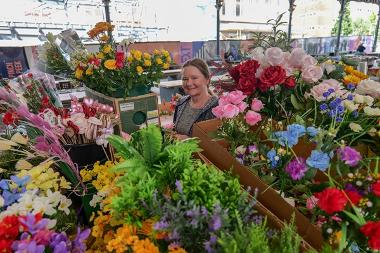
354	196
6	246
290	82
246	85
372	230
119	59
376	188
235	73
271	76
9	118
9	227
331	200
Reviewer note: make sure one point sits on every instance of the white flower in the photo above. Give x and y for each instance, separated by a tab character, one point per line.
355	127
42	205
54	197
372	111
359	99
368	100
51	223
350	106
95	200
369	87
64	205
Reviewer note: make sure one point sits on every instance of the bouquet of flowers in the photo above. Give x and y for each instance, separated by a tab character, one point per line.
113	72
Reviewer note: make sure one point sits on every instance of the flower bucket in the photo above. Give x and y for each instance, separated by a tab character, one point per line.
87	154
138	90
134	111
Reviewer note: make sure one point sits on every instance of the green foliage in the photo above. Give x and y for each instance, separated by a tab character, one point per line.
177	157
278	37
250	239
288	240
207	186
361	27
347	28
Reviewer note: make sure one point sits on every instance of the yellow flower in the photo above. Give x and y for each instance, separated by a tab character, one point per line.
156	51
78	73
159	61
89	72
145	245
166	65
110	64
107	49
351	79
176	249
165	53
137	54
104	38
168	59
139	69
130	59
348	69
147	56
100	55
147	63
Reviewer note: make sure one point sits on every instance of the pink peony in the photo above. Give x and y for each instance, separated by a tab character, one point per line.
230	111
317	91
274	56
223	100
235	97
307	61
242	106
296	57
257	105
218	111
252	118
312	73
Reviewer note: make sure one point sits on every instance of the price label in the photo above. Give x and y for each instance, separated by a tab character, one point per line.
124	107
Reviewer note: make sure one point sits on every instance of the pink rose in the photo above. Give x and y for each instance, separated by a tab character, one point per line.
235	97
257	105
242	106
317	91
311	202
223	100
252	118
218	111
307	61
230	111
311	74
274	56
296	57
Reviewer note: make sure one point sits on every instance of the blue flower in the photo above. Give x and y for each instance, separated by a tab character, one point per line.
355	114
350	97
4	184
296	130
273	158
312	131
323	107
318	160
350	86
20	181
282	137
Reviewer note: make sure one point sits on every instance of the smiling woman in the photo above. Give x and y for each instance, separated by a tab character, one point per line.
197	105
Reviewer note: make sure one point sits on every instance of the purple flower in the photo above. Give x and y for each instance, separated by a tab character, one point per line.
252	149
28	247
161	225
32	224
178	184
216	223
59	239
210	243
350	156
296	168
61	248
78	244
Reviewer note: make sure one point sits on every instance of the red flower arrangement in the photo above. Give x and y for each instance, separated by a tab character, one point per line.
9	118
331	200
372	230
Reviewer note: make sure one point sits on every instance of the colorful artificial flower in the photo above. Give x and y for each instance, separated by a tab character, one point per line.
296	168
349	155
110	64
372	230
331	200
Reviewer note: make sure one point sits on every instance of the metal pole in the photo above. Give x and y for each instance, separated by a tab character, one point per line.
341	14
377	29
291	9
218	5
108	17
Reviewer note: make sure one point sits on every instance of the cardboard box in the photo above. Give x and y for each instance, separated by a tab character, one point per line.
267	196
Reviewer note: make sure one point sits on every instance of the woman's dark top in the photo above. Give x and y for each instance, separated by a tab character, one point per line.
185	116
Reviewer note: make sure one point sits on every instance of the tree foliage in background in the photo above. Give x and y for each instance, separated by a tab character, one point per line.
347	26
363	26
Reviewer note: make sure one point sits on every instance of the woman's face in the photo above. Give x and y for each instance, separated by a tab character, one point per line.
193	81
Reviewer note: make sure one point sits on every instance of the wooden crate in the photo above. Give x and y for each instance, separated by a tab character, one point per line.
134	111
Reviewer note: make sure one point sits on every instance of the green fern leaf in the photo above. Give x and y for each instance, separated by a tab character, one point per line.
151	139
